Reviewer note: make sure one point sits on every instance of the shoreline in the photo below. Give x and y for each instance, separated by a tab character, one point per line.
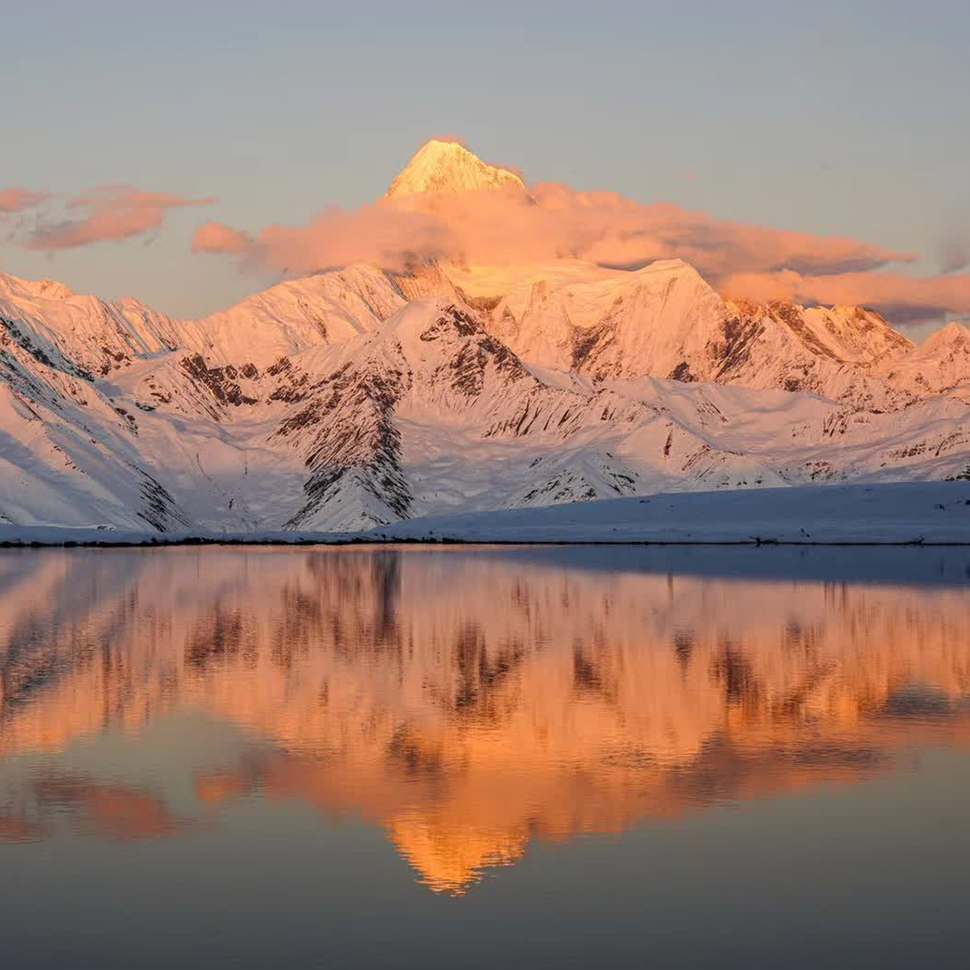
930	514
754	543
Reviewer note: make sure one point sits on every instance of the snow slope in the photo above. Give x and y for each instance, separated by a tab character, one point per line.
923	513
937	512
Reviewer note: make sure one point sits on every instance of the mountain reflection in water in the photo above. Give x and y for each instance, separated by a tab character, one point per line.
469	702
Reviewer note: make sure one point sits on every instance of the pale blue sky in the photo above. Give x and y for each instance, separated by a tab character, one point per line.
837	118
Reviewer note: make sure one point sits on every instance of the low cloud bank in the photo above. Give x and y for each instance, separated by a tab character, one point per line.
904	299
553	221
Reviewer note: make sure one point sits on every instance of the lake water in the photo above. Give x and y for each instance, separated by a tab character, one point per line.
484	757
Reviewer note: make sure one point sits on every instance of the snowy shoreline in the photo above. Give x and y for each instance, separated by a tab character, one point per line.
920	513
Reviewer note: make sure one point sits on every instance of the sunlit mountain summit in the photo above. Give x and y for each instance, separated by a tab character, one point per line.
442	166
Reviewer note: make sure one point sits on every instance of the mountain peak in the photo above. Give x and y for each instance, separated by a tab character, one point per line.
448	167
954	333
48	289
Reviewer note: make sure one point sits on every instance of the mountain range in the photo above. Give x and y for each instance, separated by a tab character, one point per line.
358	397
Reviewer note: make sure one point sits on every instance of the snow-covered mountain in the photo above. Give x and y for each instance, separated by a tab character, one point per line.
447	167
360	397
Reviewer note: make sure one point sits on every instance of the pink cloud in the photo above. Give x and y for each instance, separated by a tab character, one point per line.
110	213
555	222
213	237
19	200
902	298
384	234
606	228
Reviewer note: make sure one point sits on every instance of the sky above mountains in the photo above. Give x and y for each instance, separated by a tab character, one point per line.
130	126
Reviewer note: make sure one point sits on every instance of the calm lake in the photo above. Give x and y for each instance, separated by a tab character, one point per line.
484	757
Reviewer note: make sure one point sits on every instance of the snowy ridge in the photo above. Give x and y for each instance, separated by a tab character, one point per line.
293	316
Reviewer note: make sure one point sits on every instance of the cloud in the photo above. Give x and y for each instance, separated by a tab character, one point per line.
384	234
553	222
109	213
610	230
213	237
19	200
904	299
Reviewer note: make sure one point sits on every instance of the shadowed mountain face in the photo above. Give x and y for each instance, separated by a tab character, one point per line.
468	705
